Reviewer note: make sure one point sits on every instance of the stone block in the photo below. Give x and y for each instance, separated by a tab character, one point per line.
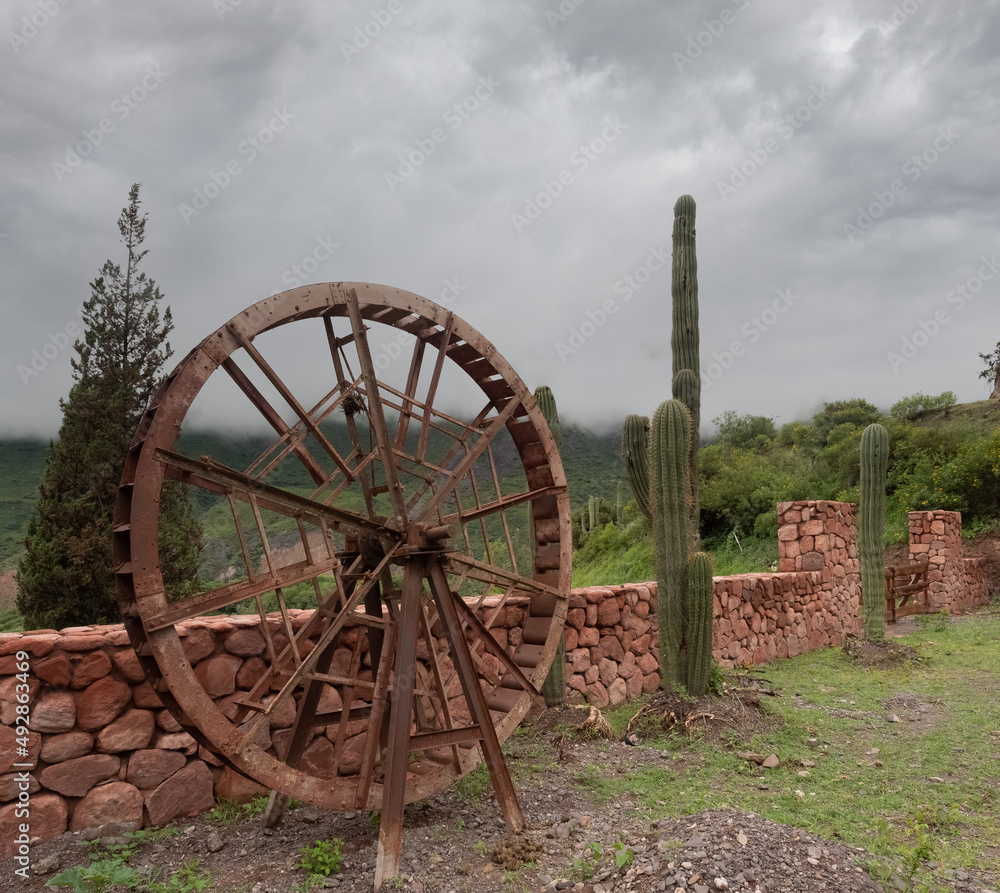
117	801
101	702
73	778
68	746
185	793
56	670
94	666
217	675
149	768
53	712
131	731
49	817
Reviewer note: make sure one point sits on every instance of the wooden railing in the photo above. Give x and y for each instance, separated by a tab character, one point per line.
905	590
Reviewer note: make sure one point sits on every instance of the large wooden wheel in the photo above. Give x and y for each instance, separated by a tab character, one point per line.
415	529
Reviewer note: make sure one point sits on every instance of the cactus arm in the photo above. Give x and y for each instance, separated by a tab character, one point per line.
698	635
635	458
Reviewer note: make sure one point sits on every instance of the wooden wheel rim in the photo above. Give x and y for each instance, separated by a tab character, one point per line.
140	585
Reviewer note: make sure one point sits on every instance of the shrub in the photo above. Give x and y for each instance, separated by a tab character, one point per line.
911	407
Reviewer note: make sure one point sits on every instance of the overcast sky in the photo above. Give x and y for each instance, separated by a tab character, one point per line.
526	156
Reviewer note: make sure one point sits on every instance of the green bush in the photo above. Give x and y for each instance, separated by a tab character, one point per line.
743	429
969	482
911	407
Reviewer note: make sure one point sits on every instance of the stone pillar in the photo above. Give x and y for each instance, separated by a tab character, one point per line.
936	537
816	535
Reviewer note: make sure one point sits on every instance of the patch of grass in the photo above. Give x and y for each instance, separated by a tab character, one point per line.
189	878
875	783
476	783
228	812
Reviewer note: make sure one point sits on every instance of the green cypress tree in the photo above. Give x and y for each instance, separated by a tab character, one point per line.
66	577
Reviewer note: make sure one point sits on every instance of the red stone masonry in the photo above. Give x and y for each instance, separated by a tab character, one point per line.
105	749
955	583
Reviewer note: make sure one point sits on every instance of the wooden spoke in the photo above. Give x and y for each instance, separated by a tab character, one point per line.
375	407
273	418
432	388
291	400
485	573
221	479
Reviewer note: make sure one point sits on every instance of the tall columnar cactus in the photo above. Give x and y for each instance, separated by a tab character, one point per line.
619	506
871	527
670	488
635	458
684	336
669	494
727	449
554	686
547	404
698	623
592	506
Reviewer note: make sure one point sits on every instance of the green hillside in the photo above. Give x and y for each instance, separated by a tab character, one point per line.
22	466
947	458
940	458
591	462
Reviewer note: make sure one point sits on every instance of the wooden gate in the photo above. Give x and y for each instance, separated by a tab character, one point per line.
906	590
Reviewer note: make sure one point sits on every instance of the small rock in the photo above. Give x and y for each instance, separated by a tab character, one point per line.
213	841
48	864
771	762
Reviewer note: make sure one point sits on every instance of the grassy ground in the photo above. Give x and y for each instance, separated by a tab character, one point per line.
930	780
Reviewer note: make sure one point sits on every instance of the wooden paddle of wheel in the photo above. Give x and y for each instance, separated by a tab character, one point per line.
432	545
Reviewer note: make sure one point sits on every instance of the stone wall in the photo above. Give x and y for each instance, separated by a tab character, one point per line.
612	634
955	583
102	747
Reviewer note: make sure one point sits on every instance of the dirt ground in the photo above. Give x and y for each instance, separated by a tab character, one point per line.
8	590
456	842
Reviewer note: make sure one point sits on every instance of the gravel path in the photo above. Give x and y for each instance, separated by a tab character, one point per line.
450	842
